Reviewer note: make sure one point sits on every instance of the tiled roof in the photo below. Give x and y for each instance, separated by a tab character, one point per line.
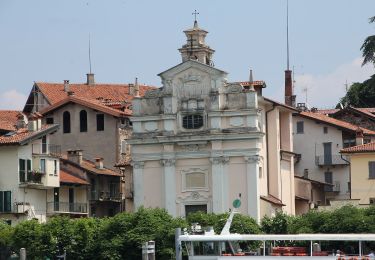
54	92
22	135
91	103
327	111
370	147
272	200
364	111
335	122
90	166
8	119
280	104
368	109
254	83
66	177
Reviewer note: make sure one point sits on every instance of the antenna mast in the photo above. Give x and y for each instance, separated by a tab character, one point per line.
90	52
287	34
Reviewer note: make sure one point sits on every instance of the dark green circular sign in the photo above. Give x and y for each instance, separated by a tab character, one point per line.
236	203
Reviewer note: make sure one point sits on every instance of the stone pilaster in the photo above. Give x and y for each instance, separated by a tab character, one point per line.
219	185
252	182
138	180
169	184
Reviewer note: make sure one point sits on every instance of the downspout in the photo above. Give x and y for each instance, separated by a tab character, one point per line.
268	162
350	176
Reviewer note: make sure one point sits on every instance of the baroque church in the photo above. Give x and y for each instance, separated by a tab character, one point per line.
199	142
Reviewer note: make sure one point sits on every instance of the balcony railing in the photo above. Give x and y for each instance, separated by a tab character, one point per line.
66	207
34	177
322	160
47	149
105	196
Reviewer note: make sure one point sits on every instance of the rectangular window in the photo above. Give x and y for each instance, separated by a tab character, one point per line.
55	167
328	178
44	144
195	208
371	170
300	127
49	120
42	165
325	130
5	201
372	201
22	170
100	122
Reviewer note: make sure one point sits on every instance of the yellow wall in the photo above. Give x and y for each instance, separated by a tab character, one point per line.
363	188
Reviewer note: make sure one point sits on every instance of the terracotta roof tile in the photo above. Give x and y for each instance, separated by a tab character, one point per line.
21	135
335	122
90	166
327	111
370	147
66	177
254	83
8	119
54	92
272	200
92	103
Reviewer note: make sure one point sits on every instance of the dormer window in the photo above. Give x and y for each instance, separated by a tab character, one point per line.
192	121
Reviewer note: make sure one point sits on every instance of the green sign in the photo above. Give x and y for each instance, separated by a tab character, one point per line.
236	203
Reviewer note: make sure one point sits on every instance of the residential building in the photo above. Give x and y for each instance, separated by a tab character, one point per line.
200	142
104	192
362	172
29	170
318	139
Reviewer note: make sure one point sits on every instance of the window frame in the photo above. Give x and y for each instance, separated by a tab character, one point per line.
190	118
83	121
298	127
100	127
185	173
371	170
66	122
5	206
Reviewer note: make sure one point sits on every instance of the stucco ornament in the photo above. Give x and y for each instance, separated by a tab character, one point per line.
219	160
138	164
168	162
253	158
195	195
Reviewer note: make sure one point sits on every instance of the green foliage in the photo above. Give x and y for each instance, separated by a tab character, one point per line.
276	225
6	234
360	94
368	47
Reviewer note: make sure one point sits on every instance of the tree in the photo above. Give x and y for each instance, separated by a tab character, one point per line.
360	94
368	47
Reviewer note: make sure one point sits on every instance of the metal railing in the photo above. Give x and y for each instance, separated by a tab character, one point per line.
31	177
334	188
322	160
105	195
66	207
47	149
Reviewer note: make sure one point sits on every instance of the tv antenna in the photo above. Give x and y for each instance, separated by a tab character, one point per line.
90	52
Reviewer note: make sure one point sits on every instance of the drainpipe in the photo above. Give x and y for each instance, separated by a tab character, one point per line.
268	162
350	176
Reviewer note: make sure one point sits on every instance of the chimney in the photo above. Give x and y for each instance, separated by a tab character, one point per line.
66	86
34	122
131	89
75	156
20	121
99	163
251	80
359	136
290	99
136	88
90	79
70	93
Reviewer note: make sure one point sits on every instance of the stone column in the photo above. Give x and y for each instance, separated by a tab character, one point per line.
169	185
252	184
219	192
138	184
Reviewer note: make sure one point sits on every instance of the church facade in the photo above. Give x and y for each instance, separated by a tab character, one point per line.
200	142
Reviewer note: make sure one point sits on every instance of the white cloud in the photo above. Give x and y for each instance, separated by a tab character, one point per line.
324	91
12	100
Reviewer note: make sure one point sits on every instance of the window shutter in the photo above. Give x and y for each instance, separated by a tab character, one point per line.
22	168
1	201
371	166
7	201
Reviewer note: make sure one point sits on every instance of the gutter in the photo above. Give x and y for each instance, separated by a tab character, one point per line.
268	161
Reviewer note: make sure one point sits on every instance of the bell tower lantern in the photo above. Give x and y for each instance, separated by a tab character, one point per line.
195	47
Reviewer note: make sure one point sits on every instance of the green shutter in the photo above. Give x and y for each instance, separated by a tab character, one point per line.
28	165
1	201
22	170
7	201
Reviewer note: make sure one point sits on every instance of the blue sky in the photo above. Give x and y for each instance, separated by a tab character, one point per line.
47	40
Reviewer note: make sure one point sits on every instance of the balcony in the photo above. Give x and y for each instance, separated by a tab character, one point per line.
67	208
106	196
331	160
47	149
333	189
31	179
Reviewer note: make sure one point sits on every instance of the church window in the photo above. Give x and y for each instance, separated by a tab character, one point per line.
83	121
192	121
66	122
100	122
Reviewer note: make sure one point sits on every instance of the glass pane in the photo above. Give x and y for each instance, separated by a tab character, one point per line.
7	201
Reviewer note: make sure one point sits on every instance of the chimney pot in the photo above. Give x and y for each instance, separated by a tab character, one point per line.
75	156
70	93
90	79
20	121
359	136
99	163
66	86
